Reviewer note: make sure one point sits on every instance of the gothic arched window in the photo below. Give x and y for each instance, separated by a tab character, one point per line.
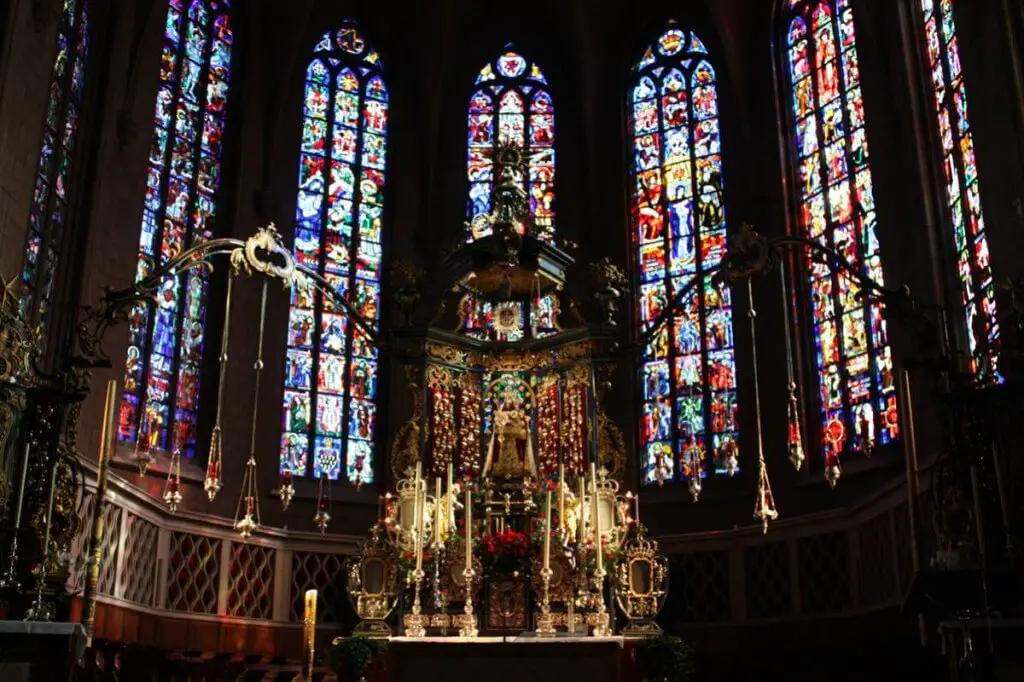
857	395
678	222
161	384
329	411
963	196
512	106
48	215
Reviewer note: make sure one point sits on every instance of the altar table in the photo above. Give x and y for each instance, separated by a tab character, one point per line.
505	659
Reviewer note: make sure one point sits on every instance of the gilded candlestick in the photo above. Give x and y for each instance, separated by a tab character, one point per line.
545	624
469	628
601	626
9	580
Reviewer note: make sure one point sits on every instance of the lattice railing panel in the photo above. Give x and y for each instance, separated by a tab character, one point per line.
768	586
80	545
901	542
138	577
251	581
111	541
824	573
704	580
193	572
323	572
876	572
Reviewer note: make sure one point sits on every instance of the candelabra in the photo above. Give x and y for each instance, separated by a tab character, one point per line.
546	622
468	628
602	622
415	626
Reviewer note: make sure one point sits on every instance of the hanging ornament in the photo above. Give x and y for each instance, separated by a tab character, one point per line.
212	484
764	503
795	443
172	486
285	489
832	469
248	521
143	441
693	456
323	506
247	514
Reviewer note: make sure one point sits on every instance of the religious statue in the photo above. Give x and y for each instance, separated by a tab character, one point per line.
510	441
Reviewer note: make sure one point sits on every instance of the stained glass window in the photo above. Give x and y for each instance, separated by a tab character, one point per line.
331	371
857	394
977	289
49	211
688	370
512	106
161	384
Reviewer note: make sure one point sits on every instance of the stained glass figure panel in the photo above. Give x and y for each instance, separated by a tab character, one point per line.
160	402
688	373
857	394
963	194
46	239
511	106
329	407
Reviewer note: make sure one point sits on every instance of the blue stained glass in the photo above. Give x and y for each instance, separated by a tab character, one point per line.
339	213
161	395
677	147
525	118
837	208
48	212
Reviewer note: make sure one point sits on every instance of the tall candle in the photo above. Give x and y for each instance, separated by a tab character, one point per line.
547	535
636	498
438	540
596	521
469	532
309	629
450	498
579	520
417	517
561	496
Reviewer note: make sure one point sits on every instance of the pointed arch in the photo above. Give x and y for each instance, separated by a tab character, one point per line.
511	105
963	193
160	402
688	371
331	369
857	394
48	215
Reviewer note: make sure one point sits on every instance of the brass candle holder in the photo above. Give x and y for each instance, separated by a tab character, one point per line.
468	627
602	621
546	621
416	625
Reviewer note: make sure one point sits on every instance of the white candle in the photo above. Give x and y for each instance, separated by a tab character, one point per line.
547	535
438	540
579	520
469	532
596	521
450	498
417	521
561	496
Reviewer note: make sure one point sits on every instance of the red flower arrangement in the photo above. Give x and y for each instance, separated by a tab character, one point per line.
506	551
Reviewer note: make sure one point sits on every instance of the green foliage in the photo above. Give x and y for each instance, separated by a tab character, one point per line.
351	657
664	657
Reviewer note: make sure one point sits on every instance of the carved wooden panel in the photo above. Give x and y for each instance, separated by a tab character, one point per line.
703	578
111	541
193	573
768	586
251	581
323	572
137	575
824	573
